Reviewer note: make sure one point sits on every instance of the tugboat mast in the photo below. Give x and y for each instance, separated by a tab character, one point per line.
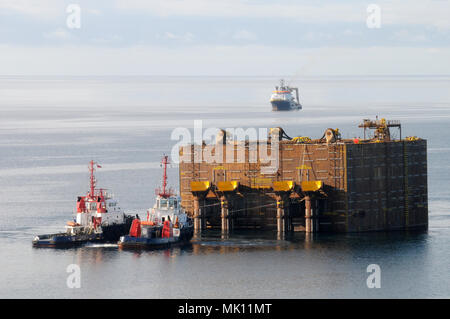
93	181
163	193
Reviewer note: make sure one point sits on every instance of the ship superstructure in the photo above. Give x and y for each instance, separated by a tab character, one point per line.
166	223
282	98
97	210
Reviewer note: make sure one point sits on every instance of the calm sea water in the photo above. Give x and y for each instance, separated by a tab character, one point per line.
50	128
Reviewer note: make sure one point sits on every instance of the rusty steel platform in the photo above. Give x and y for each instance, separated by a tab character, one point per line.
322	185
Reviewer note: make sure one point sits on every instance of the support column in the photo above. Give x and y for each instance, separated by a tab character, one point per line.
197	215
224	214
308	240
308	224
280	215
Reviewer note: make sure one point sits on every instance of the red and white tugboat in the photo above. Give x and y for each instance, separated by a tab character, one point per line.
167	223
99	219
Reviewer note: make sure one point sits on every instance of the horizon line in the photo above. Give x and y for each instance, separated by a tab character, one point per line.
223	76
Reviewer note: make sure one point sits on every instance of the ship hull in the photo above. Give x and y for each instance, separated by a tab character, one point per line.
129	242
284	106
63	240
110	233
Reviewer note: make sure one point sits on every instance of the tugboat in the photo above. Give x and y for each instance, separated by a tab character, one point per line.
167	223
99	219
283	100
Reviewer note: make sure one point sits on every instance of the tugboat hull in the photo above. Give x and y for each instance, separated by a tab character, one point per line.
63	240
130	242
110	233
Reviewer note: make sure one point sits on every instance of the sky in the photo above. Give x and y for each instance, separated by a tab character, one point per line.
225	38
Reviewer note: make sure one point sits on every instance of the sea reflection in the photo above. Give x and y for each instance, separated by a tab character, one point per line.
97	254
301	265
214	242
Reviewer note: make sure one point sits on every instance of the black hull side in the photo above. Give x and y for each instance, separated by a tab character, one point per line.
63	240
283	106
186	235
112	233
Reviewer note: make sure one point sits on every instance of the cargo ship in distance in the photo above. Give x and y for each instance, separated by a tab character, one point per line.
282	98
166	225
99	218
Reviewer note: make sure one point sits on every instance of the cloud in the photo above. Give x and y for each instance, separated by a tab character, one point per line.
106	40
58	34
407	36
94	12
184	37
321	36
232	37
240	8
37	8
416	12
412	12
351	32
244	35
233	60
